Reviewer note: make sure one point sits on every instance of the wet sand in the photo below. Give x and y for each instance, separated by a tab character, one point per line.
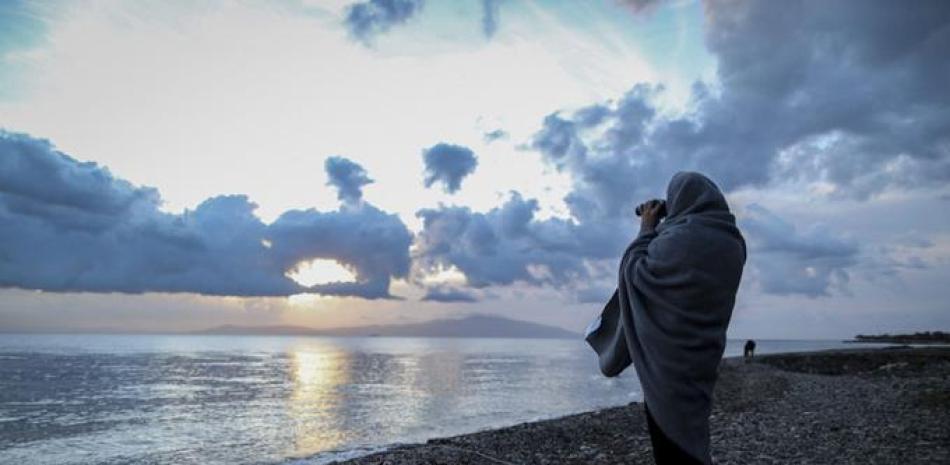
861	406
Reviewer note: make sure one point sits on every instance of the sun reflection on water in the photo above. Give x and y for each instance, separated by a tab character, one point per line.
318	372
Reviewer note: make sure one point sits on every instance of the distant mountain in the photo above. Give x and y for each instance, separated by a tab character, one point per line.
471	326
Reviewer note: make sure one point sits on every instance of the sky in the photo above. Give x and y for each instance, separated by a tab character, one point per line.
169	166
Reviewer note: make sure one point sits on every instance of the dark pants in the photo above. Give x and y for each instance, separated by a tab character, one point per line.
665	452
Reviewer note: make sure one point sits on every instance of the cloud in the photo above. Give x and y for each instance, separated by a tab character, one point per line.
448	164
845	107
348	177
71	226
640	6
372	243
840	109
367	19
591	116
595	294
493	135
811	262
447	294
846	111
612	170
508	245
848	105
914	239
490	17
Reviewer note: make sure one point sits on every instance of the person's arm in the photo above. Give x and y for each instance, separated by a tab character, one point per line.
649	218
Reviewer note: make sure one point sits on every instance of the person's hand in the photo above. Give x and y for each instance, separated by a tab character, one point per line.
650	214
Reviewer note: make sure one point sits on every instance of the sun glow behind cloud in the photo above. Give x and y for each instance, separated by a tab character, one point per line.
313	272
320	271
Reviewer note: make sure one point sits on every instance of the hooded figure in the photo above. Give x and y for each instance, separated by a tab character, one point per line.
677	287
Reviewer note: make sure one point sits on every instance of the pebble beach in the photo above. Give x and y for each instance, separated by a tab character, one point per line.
860	406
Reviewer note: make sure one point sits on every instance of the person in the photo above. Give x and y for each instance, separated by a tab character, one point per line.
749	350
676	290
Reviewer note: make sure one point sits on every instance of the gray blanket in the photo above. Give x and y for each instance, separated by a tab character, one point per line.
677	287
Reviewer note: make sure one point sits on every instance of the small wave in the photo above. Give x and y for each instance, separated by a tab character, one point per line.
323	458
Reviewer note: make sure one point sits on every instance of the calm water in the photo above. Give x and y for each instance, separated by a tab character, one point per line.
224	399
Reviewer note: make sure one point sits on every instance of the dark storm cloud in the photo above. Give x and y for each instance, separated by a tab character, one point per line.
811	262
861	109
70	226
447	294
606	172
348	177
490	17
845	104
448	164
373	243
367	19
840	104
836	103
508	245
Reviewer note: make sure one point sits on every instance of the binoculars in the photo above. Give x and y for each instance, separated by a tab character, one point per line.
662	212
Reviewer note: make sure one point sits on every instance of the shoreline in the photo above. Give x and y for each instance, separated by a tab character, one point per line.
861	405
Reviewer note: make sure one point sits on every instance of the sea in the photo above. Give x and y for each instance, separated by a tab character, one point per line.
115	399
